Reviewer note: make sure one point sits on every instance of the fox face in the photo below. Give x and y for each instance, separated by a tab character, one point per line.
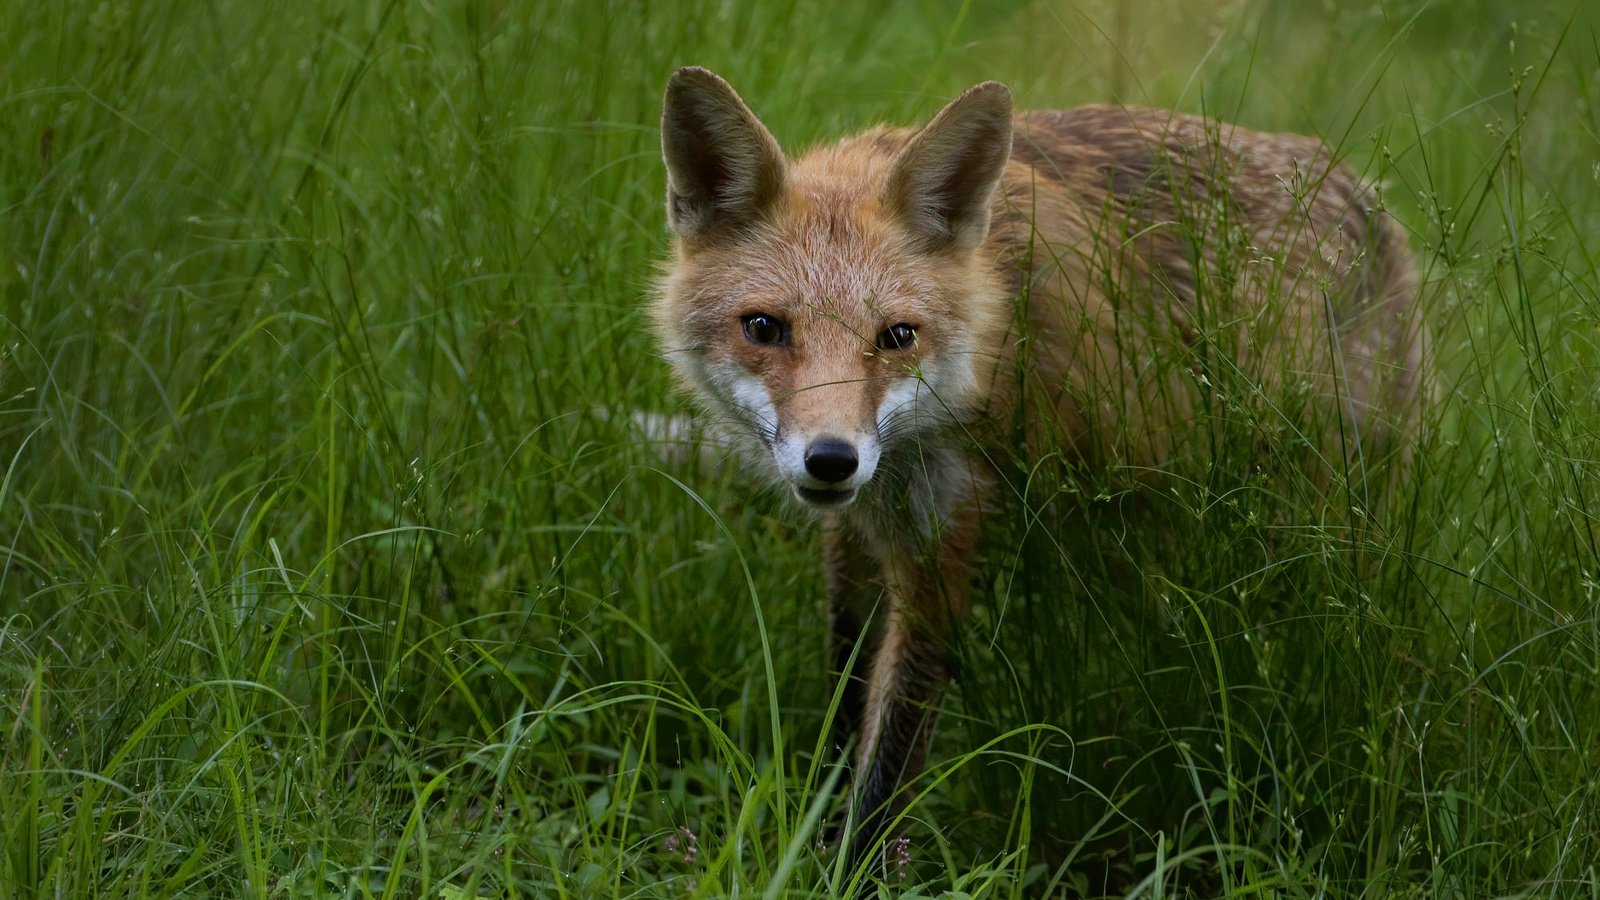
833	309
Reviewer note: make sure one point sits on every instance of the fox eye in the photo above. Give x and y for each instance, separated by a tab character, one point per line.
761	328
897	337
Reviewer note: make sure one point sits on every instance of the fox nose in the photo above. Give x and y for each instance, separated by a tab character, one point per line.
830	459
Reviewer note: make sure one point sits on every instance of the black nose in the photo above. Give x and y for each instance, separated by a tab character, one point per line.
830	459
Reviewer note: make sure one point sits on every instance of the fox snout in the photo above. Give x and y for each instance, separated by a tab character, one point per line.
826	469
831	459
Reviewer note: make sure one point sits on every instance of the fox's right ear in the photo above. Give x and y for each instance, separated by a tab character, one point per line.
723	167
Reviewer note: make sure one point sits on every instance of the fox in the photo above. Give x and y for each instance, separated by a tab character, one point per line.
867	324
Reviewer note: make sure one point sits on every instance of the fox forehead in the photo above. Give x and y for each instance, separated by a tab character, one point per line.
823	263
834	274
828	246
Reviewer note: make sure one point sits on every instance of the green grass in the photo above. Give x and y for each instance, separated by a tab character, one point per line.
321	575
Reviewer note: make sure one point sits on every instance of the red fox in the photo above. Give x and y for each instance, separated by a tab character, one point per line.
870	321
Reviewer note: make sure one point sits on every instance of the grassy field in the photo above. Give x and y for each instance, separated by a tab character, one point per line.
323	570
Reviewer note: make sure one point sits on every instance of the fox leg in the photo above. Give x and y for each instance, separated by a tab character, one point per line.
909	674
908	681
854	587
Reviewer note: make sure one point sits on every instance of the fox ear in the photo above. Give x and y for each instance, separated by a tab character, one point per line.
944	180
723	167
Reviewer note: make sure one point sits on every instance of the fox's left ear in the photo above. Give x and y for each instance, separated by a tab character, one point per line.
945	178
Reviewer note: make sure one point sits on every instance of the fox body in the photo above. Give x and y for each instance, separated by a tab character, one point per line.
873	319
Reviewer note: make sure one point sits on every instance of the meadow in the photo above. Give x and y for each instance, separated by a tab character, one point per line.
332	563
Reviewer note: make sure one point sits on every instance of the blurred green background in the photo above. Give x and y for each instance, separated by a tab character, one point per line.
331	562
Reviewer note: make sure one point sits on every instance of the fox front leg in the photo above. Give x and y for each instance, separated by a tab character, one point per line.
908	681
909	675
854	590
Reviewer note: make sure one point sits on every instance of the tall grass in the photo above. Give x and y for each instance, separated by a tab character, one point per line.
328	566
